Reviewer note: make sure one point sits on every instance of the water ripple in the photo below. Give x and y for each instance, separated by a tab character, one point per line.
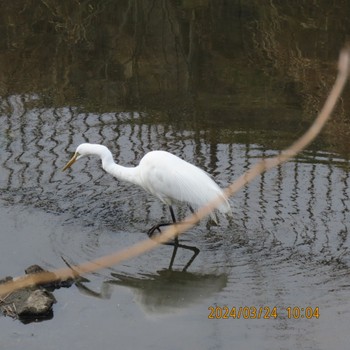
298	211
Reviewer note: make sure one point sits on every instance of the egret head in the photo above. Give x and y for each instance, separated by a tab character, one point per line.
89	149
80	151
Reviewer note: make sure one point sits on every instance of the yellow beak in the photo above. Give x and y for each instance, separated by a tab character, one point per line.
69	164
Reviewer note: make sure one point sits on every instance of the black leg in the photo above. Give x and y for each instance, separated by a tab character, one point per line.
192	210
157	227
176	240
172	214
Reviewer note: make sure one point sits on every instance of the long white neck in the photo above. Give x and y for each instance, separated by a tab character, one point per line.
120	172
108	164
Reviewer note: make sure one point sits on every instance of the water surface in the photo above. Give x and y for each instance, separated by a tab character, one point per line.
221	99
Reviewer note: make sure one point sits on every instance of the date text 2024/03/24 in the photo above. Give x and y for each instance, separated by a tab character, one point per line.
263	312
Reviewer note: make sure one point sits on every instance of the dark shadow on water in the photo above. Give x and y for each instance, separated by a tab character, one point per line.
30	319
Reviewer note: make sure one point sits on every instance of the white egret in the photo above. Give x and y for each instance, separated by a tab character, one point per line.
166	176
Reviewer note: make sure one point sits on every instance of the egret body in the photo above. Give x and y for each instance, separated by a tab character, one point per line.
166	176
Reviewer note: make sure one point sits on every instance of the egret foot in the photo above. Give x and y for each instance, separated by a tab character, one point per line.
176	245
151	231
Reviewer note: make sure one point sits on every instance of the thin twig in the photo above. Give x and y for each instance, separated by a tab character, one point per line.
175	230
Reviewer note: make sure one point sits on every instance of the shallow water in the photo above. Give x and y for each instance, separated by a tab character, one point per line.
285	246
222	98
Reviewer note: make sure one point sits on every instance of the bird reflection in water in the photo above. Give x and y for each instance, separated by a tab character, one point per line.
164	292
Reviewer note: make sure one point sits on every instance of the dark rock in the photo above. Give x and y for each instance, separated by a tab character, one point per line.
33	303
38	302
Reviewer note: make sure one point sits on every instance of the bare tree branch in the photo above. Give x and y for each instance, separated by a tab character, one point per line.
175	230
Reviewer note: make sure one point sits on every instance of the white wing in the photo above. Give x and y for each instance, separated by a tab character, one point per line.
172	179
